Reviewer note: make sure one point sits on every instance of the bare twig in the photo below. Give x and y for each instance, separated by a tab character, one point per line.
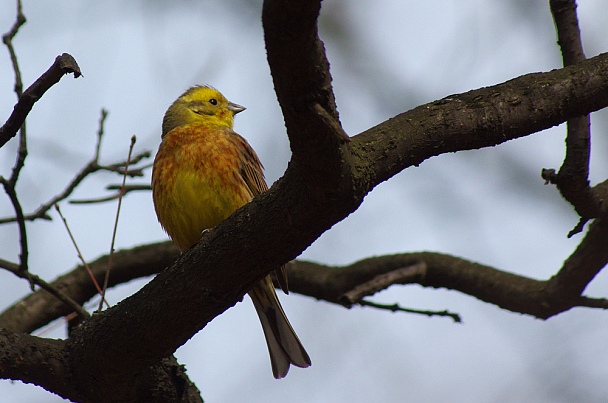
124	179
8	41
91	167
120	167
84	263
572	179
54	291
126	189
9	184
39	308
10	266
401	275
9	188
63	64
581	267
100	132
396	308
131	187
56	325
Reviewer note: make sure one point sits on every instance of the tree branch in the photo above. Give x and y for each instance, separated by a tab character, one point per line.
572	179
589	258
39	308
483	118
44	362
302	81
35	360
63	64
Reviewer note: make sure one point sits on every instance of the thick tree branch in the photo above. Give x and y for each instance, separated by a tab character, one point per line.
346	285
45	362
482	118
302	81
35	360
296	54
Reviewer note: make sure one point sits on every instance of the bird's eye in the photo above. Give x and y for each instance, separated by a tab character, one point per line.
213	101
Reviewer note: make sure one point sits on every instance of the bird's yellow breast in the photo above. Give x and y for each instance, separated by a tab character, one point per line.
197	181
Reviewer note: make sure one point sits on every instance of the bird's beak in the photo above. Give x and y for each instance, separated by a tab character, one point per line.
235	108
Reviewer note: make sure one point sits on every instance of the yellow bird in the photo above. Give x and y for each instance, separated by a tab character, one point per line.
203	172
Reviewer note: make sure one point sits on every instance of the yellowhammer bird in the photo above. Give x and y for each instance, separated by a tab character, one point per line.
203	172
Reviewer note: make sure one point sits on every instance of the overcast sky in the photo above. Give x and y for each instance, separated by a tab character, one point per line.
490	205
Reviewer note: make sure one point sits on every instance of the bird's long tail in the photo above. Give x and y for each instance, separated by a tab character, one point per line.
283	344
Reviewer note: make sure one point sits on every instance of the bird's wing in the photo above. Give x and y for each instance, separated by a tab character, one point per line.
252	172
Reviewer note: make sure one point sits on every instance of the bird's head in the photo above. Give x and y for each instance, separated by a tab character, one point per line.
200	105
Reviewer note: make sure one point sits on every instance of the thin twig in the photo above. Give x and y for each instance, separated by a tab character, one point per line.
401	275
7	38
55	325
9	185
9	188
90	168
100	132
131	188
121	169
10	266
84	263
124	179
8	41
396	308
60	295
126	189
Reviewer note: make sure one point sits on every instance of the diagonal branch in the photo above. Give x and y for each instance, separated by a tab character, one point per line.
589	258
401	275
63	64
483	118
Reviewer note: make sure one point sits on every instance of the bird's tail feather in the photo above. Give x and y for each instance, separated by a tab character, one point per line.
283	344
